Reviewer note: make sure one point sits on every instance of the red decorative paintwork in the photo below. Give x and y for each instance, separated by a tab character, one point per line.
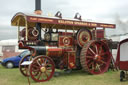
65	41
100	33
71	59
54	52
21	45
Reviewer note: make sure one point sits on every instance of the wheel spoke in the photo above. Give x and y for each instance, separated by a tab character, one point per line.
39	75
35	66
46	61
48	64
104	53
42	60
96	49
103	62
94	66
38	63
101	49
24	69
89	61
46	74
49	68
90	64
90	57
98	67
92	51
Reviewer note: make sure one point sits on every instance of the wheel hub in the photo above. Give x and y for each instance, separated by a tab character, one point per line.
43	69
97	57
84	38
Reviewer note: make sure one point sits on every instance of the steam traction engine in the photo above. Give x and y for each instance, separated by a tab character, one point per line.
57	43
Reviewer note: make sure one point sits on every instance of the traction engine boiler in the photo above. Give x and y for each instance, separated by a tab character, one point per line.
58	43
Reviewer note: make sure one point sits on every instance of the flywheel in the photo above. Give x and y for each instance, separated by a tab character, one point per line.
83	36
95	57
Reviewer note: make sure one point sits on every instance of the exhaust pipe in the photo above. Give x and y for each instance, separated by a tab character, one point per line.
38	10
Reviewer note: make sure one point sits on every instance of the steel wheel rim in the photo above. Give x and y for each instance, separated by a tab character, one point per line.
24	69
45	68
92	62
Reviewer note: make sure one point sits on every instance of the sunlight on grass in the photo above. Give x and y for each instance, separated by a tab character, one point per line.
79	77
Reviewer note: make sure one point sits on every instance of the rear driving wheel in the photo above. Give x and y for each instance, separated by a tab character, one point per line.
42	69
95	57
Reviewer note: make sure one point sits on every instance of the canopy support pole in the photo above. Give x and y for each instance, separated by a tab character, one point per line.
38	27
26	24
18	29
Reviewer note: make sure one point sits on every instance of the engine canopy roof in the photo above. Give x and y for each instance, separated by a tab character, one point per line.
21	19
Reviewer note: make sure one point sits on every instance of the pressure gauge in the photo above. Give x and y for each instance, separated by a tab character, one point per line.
47	37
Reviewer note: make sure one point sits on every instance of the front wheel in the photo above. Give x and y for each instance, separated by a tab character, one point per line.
9	65
42	69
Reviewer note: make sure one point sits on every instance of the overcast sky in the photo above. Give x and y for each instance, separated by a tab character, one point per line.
110	11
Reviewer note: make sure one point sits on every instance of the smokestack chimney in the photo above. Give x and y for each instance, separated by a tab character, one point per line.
38	10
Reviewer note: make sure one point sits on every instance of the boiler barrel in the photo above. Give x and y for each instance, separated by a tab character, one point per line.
48	51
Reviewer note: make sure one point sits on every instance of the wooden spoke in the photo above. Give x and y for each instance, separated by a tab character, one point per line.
46	74
104	53
96	49
45	61
100	49
90	64
92	51
24	69
49	68
42	60
98	67
90	57
36	66
39	76
103	62
38	63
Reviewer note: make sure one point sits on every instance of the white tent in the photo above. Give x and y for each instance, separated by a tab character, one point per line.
9	42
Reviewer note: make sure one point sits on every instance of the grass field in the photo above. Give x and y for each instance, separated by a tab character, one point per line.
14	77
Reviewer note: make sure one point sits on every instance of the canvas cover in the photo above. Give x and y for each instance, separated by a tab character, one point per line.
122	55
124	51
